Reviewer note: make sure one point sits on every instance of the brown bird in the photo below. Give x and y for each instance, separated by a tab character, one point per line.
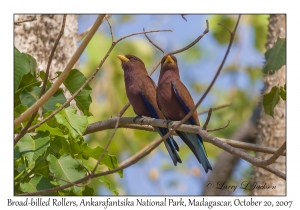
175	102
141	92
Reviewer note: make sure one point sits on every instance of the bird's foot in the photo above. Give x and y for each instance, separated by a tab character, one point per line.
167	123
139	117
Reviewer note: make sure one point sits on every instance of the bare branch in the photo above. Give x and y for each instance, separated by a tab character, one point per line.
217	129
153	43
182	15
149	123
207	119
72	183
194	42
215	108
110	28
24	130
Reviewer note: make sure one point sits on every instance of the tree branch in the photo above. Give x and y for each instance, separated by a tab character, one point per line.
215	108
24	130
62	77
146	122
153	43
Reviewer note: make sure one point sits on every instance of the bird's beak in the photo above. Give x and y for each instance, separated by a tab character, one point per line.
169	60
123	58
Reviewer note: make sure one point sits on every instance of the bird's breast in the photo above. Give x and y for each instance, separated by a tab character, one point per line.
168	101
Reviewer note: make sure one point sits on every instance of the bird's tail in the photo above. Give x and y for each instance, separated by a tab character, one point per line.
171	146
194	142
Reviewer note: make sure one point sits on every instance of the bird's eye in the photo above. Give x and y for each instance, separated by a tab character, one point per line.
134	58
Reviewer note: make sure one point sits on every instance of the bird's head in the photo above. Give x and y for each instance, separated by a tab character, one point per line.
132	63
169	62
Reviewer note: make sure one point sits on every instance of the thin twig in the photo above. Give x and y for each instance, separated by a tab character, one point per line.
72	183
220	128
17	23
193	43
108	143
87	170
275	171
275	156
214	109
91	77
207	119
153	43
110	29
62	77
24	130
182	15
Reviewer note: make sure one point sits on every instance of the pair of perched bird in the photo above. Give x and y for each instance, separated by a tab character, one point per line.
169	100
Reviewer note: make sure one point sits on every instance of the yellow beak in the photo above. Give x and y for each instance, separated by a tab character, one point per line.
123	58
169	60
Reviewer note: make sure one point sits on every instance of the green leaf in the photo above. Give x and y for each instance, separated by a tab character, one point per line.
104	180
66	168
88	191
275	57
270	100
76	124
73	82
22	66
42	76
19	110
28	81
109	160
53	131
36	183
28	98
283	93
33	148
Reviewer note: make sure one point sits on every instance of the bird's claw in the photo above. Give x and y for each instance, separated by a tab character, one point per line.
167	122
139	117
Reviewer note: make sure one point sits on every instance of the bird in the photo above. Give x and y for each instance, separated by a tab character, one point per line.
175	102
141	93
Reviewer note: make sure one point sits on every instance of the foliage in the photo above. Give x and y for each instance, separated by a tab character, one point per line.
275	59
55	153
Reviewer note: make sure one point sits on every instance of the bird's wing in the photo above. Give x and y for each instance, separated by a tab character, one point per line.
185	99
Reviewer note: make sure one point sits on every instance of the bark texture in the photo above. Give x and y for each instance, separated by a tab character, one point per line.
38	37
272	131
